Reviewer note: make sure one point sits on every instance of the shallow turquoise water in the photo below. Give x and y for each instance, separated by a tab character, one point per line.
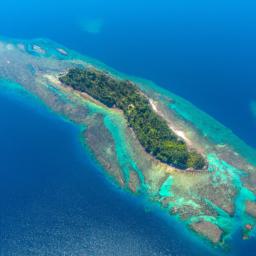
203	51
206	125
55	201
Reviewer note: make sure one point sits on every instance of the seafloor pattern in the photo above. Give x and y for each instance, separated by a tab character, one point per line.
213	203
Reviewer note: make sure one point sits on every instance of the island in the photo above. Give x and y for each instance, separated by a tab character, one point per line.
145	139
151	130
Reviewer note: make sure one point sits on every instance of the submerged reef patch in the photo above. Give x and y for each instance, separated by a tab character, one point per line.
214	203
253	108
92	26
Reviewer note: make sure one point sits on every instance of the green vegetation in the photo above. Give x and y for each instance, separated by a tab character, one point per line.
151	130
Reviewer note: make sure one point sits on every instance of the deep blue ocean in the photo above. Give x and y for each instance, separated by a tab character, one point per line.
53	199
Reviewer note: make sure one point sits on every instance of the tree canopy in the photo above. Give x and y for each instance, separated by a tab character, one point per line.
151	130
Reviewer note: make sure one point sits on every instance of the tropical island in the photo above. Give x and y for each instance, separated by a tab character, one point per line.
142	147
151	130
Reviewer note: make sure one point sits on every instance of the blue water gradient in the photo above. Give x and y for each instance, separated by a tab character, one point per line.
53	199
201	50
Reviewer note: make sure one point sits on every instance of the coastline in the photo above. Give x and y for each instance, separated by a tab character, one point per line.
151	208
179	133
71	104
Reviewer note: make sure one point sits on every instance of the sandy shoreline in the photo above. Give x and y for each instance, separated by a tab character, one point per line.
153	104
179	133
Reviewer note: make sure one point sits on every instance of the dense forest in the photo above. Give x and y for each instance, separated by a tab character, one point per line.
151	130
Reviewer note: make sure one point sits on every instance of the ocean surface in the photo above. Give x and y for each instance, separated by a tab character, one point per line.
203	50
54	200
